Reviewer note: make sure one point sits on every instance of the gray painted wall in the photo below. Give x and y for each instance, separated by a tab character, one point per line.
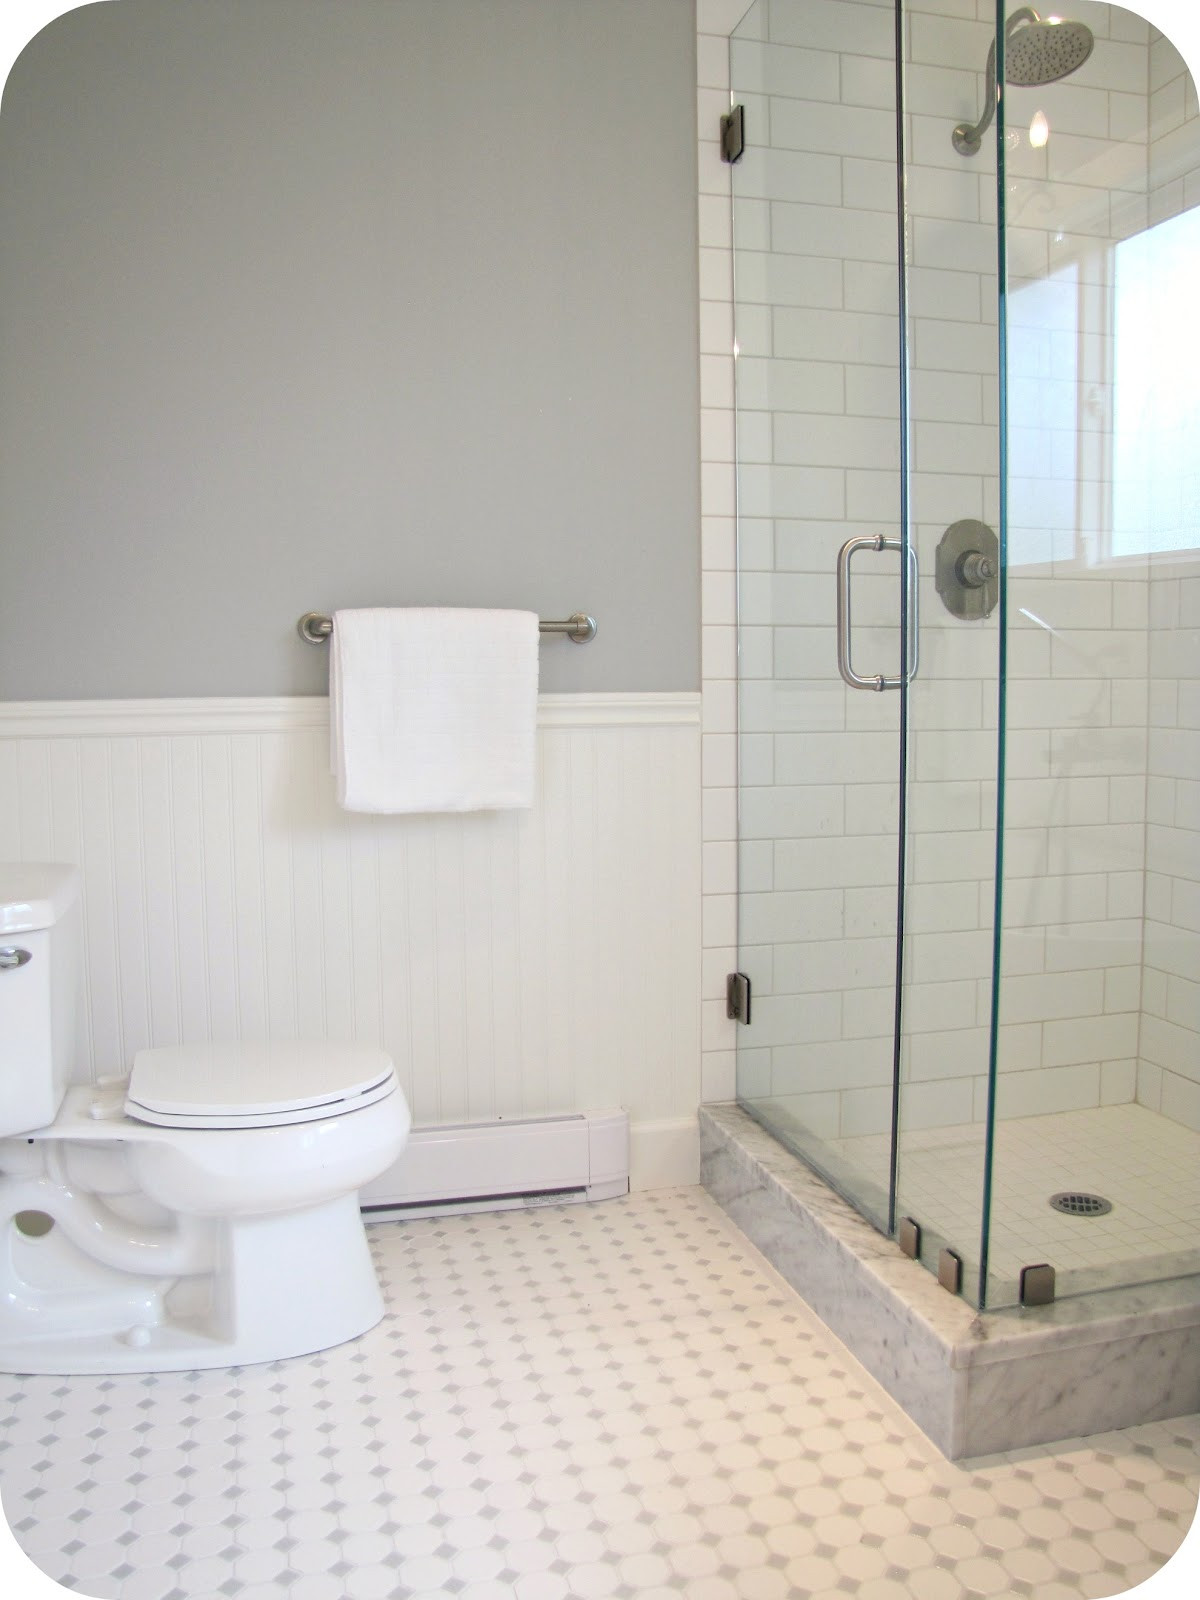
321	303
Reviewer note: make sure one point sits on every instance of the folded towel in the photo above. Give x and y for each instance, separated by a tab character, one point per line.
433	710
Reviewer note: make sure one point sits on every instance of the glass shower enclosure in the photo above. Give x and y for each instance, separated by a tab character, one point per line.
969	594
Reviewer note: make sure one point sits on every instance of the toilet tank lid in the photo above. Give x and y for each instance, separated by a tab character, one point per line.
247	1079
35	894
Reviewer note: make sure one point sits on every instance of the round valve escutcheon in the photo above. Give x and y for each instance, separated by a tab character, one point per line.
967	570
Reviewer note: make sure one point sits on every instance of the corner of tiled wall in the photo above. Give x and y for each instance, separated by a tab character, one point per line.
715	20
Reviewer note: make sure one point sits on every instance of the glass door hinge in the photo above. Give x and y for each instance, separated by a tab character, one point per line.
1037	1285
950	1270
737	997
733	134
908	1237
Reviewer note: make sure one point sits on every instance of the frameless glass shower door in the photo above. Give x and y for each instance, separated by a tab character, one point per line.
952	753
818	293
964	256
1096	1130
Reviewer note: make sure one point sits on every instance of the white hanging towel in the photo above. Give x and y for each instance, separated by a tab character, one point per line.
433	709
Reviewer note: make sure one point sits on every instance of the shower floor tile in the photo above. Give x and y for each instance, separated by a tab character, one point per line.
1146	1165
620	1400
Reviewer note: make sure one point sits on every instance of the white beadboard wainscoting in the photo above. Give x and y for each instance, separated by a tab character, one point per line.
513	963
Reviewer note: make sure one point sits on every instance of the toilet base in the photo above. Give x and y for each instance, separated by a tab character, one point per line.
282	1286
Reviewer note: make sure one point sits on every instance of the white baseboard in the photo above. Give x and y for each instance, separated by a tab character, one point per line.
581	1155
664	1155
549	1160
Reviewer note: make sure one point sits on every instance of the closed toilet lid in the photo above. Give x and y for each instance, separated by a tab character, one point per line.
255	1085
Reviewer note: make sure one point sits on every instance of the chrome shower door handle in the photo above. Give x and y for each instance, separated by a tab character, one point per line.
879	682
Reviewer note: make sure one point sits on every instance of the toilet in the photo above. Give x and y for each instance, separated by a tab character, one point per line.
203	1211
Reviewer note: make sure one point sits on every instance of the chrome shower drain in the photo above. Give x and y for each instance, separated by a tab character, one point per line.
1080	1205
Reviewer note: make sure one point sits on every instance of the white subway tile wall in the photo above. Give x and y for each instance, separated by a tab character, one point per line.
715	21
1168	1057
1102	772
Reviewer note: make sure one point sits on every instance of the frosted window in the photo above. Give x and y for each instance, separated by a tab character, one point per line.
1156	400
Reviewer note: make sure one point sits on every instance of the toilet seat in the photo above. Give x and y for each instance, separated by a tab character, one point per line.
255	1085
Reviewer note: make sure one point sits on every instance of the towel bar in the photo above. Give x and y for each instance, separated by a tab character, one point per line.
313	628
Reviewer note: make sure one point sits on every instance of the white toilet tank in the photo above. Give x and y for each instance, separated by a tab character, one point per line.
40	950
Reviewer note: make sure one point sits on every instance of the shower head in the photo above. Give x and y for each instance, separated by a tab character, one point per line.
1044	52
1035	51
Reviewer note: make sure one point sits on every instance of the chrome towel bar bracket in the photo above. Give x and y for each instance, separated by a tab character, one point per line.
314	628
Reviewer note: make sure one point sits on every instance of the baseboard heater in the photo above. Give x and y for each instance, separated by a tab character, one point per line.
495	1166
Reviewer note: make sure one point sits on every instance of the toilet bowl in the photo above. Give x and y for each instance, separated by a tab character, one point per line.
202	1212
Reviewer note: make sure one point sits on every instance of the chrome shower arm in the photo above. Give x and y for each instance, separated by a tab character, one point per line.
1021	14
967	139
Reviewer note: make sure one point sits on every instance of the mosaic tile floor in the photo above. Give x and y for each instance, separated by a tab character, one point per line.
1148	1166
612	1400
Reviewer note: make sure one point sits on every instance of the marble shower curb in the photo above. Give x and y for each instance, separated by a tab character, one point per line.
975	1382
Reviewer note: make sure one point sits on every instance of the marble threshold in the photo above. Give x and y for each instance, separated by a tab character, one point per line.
974	1382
